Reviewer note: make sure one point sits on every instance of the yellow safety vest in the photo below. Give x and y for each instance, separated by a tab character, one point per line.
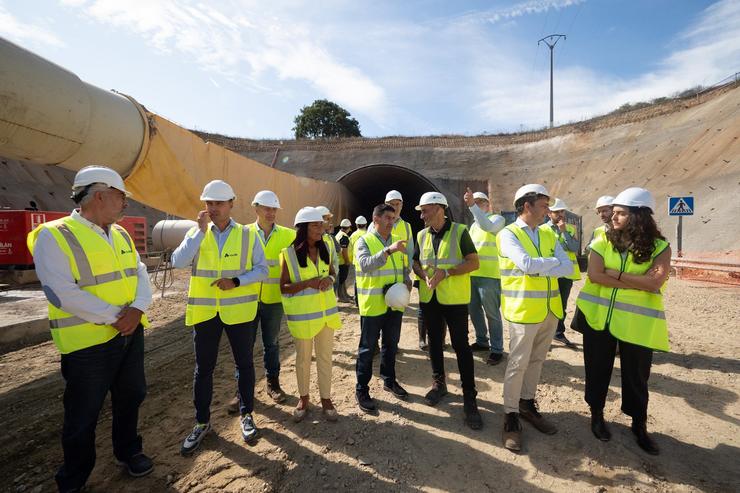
599	232
341	234
454	290
352	240
281	237
234	306
370	295
331	246
310	310
576	275
485	243
526	299
632	315
108	273
402	229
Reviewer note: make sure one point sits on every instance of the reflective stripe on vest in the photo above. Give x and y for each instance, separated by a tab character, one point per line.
308	311
370	295
454	290
485	243
281	237
632	315
205	301
109	273
526	299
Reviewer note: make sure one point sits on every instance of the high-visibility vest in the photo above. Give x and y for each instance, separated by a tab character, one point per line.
310	310
233	306
576	274
281	237
341	234
332	247
370	295
632	315
599	232
352	240
527	299
454	290
485	243
402	230
106	272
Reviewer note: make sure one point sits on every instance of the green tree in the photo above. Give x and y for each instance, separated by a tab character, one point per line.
325	119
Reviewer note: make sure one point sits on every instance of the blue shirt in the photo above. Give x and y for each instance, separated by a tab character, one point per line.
510	247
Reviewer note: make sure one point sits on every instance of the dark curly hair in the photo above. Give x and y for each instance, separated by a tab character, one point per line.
639	236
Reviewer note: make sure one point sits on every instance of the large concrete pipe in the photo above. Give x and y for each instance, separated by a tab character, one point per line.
168	234
49	116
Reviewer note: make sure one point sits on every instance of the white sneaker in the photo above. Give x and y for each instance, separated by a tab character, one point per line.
196	436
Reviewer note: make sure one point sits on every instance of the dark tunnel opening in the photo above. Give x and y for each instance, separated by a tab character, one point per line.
369	184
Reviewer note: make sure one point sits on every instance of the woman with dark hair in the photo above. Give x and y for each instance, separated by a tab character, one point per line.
622	304
306	285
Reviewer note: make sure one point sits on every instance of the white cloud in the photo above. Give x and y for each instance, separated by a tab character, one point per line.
20	32
493	16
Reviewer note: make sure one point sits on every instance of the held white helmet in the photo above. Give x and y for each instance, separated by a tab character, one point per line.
531	188
345	223
393	195
361	221
217	190
308	215
604	200
635	197
559	205
99	174
324	210
480	195
432	198
266	198
397	296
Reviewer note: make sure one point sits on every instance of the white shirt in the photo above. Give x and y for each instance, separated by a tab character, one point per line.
509	246
58	283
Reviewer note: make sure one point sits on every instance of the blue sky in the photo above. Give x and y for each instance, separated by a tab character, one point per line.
245	68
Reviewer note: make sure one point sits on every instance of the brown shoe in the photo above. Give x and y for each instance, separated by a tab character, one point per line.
512	434
528	410
274	391
233	407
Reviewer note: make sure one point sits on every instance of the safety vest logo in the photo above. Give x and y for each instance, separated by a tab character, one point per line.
124	252
226	255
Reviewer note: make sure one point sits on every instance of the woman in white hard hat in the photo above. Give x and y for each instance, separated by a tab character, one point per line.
310	307
621	304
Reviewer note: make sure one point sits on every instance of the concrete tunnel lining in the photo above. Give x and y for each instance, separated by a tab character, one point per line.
368	185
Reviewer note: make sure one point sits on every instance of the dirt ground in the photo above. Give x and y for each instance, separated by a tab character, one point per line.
694	416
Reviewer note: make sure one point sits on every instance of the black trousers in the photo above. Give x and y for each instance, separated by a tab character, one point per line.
599	348
564	286
437	318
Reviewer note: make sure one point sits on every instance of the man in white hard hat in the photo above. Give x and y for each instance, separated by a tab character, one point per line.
342	237
273	239
444	258
379	263
361	229
331	242
566	234
485	281
604	211
530	260
229	266
97	292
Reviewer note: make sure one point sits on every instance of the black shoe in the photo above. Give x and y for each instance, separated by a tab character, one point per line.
494	359
598	425
396	390
472	416
528	411
439	390
137	466
564	341
479	347
365	402
643	439
274	391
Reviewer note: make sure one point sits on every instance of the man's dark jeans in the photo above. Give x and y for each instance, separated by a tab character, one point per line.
388	326
116	366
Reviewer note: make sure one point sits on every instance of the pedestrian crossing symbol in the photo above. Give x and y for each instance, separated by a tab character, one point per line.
681	206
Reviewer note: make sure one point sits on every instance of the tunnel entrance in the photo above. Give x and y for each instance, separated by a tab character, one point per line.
369	184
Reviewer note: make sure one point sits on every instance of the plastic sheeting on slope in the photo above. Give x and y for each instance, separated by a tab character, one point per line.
178	164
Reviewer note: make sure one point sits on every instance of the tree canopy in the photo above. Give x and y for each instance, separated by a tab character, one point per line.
324	119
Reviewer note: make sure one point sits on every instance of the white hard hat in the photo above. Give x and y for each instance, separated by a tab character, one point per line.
308	215
324	210
531	188
360	220
604	200
345	223
635	197
431	198
99	174
559	205
266	198
393	195
397	296
480	195
217	190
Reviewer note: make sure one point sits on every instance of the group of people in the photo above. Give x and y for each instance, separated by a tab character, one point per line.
247	278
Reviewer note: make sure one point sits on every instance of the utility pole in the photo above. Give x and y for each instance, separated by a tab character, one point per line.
551	41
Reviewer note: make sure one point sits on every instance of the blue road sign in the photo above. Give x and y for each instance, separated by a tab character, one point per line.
681	206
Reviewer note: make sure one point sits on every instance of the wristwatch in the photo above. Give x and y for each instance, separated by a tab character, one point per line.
236	281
